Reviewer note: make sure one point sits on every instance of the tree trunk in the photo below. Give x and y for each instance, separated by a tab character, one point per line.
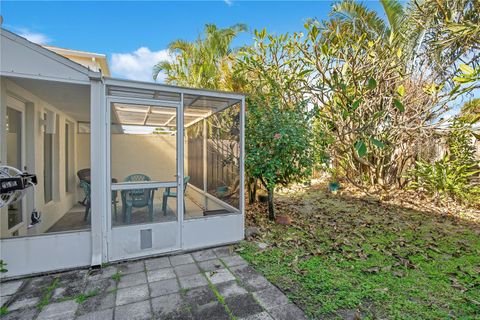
252	190
271	209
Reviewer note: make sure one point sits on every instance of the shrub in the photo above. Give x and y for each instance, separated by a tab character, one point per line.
454	176
278	145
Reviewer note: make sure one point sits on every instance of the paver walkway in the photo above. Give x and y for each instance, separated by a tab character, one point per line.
208	285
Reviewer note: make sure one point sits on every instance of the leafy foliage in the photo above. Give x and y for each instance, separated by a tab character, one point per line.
278	145
278	139
377	87
204	63
470	113
456	174
366	98
449	35
3	266
272	67
3	310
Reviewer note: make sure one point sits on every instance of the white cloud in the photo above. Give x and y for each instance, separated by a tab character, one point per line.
33	36
228	2
138	65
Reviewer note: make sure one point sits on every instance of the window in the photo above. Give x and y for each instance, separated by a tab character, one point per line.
47	166
14	159
67	158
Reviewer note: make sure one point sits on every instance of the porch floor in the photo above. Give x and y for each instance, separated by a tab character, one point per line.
74	219
209	284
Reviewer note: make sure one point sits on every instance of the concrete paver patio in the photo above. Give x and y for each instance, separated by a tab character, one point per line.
205	285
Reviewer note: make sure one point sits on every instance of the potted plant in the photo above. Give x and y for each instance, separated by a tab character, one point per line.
334	184
222	190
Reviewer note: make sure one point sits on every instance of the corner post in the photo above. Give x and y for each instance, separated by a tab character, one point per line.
180	168
98	164
204	163
242	164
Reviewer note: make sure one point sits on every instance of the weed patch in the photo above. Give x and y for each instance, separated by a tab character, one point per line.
48	294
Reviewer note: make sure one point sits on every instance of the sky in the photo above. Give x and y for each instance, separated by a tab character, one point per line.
135	35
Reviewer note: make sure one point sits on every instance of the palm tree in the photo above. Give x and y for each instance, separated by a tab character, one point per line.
362	19
205	62
443	33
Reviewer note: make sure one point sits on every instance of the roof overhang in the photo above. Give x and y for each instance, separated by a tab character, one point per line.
22	58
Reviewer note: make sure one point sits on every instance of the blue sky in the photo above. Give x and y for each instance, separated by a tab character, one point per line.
134	35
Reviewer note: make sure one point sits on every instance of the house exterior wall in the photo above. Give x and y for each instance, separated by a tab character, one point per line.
90	63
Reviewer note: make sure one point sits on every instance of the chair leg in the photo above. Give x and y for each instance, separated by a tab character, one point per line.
150	211
87	211
129	215
164	205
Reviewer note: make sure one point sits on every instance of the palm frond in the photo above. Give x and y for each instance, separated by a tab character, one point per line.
361	18
395	13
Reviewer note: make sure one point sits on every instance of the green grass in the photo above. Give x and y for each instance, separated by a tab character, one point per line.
82	297
3	311
117	276
344	256
48	294
220	299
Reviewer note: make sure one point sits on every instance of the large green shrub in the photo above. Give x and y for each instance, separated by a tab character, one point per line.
456	175
277	144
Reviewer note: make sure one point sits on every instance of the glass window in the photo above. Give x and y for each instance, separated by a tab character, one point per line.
48	166
14	159
60	202
67	158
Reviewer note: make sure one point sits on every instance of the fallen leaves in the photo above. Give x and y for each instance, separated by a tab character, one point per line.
386	241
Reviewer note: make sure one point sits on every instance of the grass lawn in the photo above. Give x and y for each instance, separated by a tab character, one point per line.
347	257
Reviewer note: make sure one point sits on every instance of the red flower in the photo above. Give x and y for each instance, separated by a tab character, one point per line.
277	136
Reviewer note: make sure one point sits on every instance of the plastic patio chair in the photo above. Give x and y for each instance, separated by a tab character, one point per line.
137	198
84	175
87	201
86	189
169	193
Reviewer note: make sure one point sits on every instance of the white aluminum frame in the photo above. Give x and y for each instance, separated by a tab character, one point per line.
210	230
172	89
113	233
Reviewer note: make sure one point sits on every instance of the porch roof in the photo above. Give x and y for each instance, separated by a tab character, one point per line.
161	112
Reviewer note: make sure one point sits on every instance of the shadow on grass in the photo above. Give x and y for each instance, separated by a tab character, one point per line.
347	257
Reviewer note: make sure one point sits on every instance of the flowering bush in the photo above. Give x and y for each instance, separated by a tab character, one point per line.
278	145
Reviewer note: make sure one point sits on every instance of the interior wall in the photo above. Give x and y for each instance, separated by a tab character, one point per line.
152	155
62	200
